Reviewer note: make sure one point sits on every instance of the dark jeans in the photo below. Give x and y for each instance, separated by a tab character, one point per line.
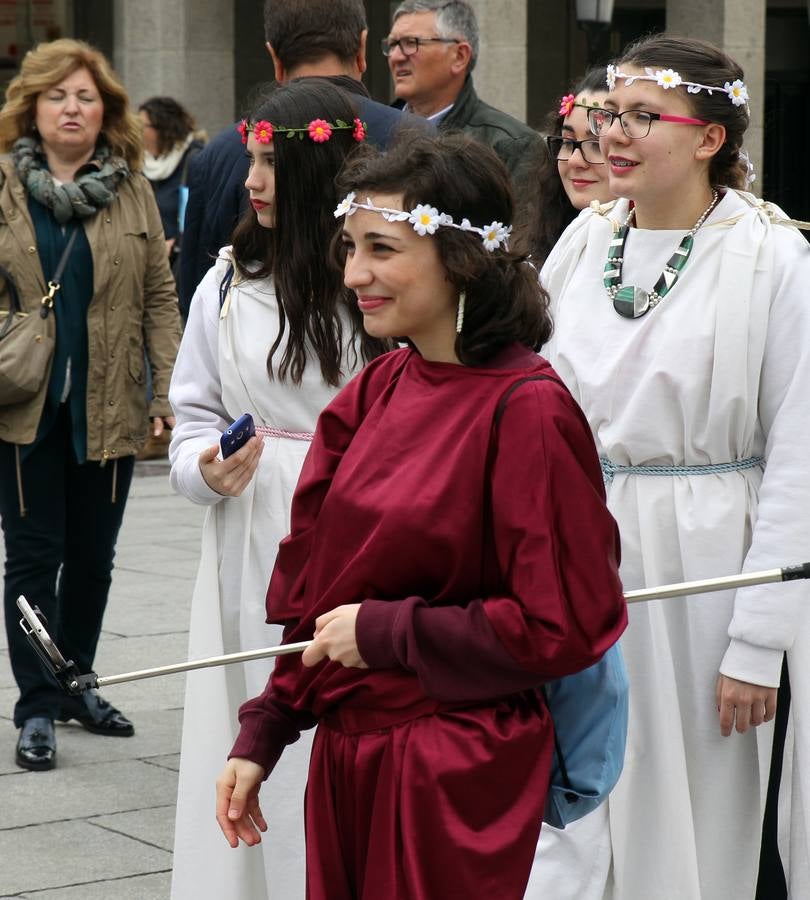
59	556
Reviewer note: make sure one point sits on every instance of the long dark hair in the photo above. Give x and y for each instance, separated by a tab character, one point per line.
549	211
703	63
466	180
310	293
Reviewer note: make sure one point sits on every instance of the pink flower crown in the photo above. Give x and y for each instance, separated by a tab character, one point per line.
569	101
318	130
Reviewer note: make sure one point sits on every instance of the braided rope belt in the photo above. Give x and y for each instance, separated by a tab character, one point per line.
270	431
609	469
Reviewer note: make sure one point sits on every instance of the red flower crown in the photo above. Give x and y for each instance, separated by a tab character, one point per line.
318	130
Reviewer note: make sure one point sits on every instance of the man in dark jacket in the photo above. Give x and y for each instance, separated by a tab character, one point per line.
432	50
305	38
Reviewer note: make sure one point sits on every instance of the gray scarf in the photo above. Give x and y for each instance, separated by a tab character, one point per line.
94	187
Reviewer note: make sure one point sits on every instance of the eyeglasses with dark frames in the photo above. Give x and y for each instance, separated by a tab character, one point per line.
636	123
563	148
410	45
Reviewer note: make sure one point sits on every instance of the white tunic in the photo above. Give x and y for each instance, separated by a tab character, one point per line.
719	371
221	373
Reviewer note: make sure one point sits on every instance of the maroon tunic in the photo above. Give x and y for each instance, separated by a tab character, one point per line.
486	563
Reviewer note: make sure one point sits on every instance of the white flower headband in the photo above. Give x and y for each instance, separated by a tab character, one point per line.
667	78
426	219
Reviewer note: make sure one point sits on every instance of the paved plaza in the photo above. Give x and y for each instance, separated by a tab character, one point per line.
101	824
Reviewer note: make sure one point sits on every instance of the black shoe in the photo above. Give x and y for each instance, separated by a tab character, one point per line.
36	745
96	714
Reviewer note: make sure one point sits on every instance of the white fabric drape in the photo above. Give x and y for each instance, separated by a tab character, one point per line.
220	374
718	372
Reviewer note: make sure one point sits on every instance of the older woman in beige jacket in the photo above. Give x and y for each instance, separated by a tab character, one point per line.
70	188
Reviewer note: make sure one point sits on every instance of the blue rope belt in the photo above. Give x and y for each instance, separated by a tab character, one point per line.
609	469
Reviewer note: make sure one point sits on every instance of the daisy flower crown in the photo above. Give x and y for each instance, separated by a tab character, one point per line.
736	90
427	219
318	130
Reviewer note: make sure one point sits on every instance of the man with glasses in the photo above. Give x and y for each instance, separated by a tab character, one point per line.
432	49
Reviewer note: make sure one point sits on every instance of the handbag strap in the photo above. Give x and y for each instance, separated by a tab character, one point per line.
46	304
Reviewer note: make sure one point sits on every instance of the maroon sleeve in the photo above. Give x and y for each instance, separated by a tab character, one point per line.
266	727
558	551
336	427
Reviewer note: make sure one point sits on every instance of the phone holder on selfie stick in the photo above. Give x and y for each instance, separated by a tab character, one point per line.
71	680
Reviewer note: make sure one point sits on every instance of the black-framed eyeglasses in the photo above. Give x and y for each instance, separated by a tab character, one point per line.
410	45
563	148
636	123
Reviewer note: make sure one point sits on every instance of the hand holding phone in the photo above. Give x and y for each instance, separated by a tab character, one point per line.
231	474
237	435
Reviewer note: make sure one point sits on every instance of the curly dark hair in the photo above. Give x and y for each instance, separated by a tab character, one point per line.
548	211
464	179
172	122
701	62
309	291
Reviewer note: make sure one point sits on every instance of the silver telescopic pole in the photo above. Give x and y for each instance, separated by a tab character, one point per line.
726	582
36	632
226	660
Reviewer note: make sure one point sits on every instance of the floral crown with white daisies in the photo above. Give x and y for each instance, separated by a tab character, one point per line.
736	90
318	130
426	219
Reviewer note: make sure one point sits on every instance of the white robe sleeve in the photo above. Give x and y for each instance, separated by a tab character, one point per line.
195	392
767	618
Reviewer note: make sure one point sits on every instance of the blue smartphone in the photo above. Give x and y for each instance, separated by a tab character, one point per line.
237	435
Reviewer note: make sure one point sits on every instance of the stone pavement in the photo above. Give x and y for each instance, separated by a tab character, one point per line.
101	824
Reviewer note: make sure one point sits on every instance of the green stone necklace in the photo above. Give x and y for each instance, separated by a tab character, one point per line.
633	302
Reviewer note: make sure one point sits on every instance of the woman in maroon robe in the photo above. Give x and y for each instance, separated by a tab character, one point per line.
450	551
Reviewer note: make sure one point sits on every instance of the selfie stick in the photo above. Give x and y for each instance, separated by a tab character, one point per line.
724	583
70	679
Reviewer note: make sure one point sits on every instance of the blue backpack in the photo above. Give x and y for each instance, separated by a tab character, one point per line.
589	710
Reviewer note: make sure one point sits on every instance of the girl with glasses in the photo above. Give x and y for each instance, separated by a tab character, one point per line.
682	329
572	173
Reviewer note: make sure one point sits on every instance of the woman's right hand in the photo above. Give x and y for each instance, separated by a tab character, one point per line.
238	812
231	476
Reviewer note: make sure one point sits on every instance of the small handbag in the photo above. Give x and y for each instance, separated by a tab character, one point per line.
589	710
27	340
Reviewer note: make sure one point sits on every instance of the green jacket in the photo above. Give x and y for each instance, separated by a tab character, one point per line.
134	301
518	145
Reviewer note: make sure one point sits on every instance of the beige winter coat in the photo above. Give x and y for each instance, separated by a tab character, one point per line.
134	299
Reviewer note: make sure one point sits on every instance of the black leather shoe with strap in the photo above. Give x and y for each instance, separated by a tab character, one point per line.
97	715
36	745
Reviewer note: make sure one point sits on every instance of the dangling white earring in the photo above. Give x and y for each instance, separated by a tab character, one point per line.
460	315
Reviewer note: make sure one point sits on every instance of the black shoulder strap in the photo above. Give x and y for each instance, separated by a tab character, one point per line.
225	284
501	409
